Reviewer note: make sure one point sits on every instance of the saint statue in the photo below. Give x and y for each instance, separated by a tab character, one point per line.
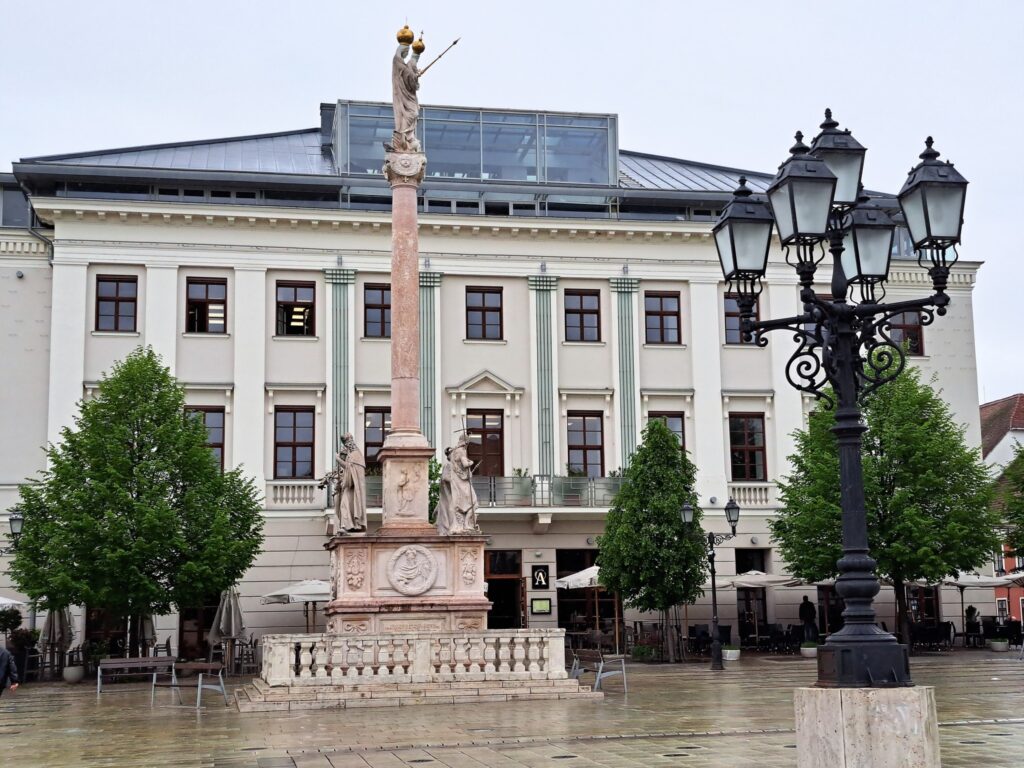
457	502
350	487
405	82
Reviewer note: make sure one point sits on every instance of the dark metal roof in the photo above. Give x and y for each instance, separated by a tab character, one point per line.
638	170
292	152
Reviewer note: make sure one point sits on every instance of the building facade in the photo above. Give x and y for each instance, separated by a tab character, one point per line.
570	291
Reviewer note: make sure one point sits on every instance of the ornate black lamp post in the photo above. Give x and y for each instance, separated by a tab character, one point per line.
846	342
732	515
16	520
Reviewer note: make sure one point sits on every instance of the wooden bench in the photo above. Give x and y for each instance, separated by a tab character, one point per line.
147	665
207	668
584	660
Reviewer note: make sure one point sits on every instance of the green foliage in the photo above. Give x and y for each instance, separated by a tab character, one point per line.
434	473
133	514
24	638
926	492
643	653
520	472
646	553
10	619
1009	494
809	644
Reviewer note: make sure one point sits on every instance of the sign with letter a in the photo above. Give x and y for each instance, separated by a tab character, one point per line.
540	577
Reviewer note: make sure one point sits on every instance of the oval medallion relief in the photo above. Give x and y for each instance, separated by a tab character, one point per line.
412	570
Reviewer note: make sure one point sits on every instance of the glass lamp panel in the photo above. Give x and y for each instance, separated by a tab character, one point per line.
849	258
779	199
751	242
812	200
847	168
944	206
913	211
874	246
723	241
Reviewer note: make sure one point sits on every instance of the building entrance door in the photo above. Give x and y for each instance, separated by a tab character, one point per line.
487	441
503	571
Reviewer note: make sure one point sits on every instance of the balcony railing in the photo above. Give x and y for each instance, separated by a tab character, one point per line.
295	494
754	495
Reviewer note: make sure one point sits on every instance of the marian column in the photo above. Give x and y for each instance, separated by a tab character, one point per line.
406	451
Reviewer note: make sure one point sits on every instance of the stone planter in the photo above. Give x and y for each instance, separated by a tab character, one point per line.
74	675
730	655
999	646
809	653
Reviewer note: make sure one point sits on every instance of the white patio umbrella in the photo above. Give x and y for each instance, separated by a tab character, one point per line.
306	591
760	580
7	602
228	624
588	579
975	581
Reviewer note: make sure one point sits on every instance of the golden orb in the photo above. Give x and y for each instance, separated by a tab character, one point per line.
419	46
406	35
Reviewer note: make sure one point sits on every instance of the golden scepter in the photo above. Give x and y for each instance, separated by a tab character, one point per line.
442	53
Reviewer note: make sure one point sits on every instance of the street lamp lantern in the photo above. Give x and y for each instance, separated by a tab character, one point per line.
801	196
743	234
16	520
732	514
846	350
687	513
843	155
933	204
867	245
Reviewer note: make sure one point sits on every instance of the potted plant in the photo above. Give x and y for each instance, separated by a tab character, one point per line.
74	671
999	645
95	650
643	653
730	653
809	649
10	620
521	487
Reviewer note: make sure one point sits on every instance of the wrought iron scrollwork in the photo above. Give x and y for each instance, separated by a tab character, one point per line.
884	358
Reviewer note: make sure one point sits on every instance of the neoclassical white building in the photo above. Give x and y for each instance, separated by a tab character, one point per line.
570	291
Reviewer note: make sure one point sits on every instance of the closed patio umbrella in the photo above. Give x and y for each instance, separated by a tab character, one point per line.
306	591
228	624
58	633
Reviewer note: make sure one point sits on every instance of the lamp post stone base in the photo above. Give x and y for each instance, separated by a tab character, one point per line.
862	727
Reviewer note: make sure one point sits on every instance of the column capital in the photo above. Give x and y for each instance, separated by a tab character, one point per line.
338	275
430	279
625	284
542	282
404	169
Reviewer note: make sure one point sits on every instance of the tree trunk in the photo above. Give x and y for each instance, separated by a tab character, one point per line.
902	617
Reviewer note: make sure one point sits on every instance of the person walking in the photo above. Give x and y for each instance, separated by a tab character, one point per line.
8	671
809	616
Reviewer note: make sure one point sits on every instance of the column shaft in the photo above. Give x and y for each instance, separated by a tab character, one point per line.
405	311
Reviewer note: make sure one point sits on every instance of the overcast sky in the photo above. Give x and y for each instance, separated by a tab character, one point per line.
719	82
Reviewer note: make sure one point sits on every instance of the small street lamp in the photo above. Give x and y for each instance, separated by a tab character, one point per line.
816	199
732	515
16	520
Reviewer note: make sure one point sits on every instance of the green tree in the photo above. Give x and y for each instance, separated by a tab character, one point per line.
1008	490
133	514
647	554
926	493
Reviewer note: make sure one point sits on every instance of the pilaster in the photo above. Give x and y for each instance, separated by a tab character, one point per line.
709	426
342	283
625	290
160	325
543	403
68	331
248	411
430	283
787	402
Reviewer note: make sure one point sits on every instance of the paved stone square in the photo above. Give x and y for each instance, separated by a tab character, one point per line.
673	715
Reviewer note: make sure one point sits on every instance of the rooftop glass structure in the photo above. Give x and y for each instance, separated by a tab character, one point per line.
476	144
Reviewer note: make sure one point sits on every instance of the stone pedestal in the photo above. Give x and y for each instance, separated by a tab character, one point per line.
867	727
393	583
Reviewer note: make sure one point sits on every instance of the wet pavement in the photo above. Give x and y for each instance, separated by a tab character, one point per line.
679	715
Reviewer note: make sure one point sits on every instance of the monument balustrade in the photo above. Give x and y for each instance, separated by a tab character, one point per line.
414	657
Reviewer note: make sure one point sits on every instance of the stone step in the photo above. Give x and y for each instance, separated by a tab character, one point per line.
383	690
255	701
